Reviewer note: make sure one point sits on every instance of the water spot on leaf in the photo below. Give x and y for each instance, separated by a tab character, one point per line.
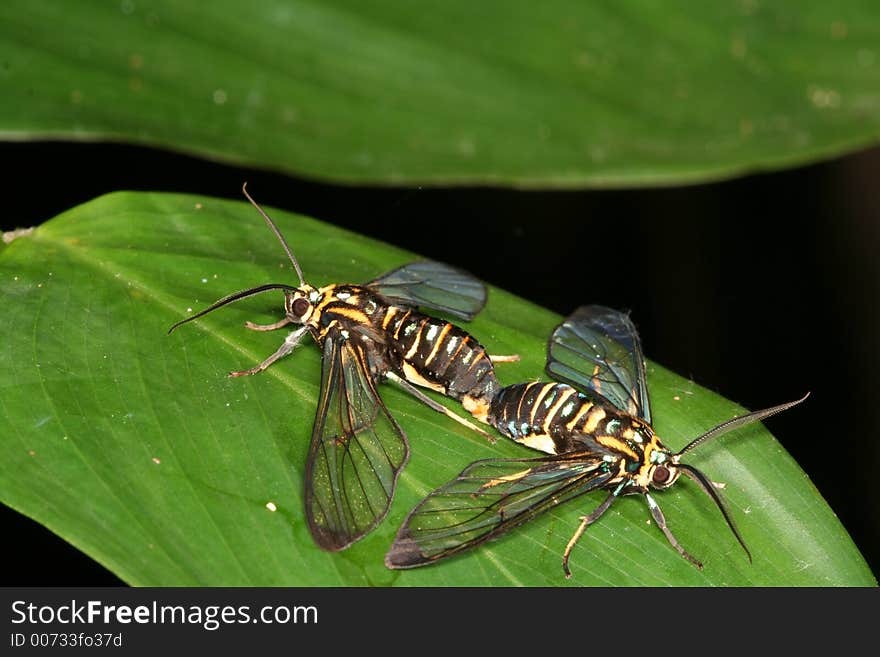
839	30
466	147
738	48
824	98
288	115
866	57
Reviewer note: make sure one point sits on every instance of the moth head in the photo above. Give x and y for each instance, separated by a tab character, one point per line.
663	473
299	303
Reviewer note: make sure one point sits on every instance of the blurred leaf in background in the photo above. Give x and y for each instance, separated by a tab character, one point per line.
452	91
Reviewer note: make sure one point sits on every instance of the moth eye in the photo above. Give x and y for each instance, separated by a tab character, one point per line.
661	475
300	307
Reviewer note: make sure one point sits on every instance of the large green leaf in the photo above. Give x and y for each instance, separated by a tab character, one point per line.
135	446
561	93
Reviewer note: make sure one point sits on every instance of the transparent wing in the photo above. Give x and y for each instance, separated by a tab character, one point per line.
487	499
597	349
356	454
433	285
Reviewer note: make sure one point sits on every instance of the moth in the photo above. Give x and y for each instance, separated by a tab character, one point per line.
368	334
594	423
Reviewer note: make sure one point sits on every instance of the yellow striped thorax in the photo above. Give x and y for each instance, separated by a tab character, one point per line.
344	307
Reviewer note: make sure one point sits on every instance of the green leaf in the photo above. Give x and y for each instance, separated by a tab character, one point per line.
136	447
392	91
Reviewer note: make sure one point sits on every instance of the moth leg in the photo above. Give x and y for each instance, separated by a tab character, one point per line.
418	394
268	327
660	519
286	347
586	521
512	358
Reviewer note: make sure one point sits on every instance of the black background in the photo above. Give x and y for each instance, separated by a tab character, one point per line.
760	288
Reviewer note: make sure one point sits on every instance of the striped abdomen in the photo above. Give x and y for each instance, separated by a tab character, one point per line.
549	417
436	354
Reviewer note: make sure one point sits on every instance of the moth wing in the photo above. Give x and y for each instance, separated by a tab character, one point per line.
597	350
489	498
356	454
433	285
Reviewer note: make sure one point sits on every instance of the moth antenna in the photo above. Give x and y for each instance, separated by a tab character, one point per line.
277	234
692	473
235	296
737	422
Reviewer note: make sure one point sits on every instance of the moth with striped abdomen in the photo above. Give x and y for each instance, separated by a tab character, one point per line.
595	426
369	333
